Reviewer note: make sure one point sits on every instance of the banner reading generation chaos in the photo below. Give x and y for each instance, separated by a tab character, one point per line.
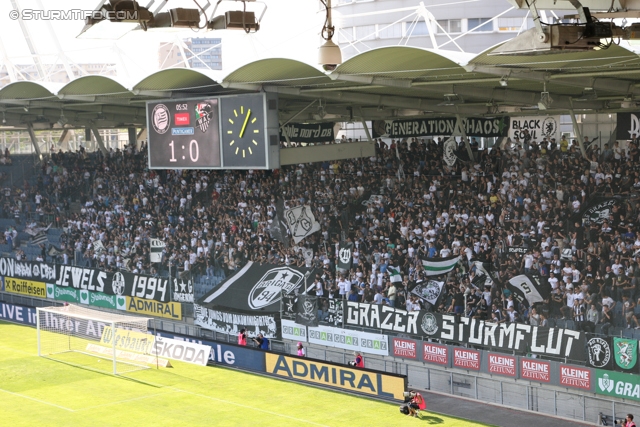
440	126
94	280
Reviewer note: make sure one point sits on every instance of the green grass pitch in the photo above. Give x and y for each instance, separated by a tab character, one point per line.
36	391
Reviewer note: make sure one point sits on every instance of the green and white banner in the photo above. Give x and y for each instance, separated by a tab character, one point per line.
83	296
438	266
618	384
625	353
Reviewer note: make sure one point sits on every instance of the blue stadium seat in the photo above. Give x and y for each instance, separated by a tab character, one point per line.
561	323
551	323
570	324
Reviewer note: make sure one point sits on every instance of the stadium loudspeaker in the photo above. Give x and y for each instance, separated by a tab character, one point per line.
87	134
133	136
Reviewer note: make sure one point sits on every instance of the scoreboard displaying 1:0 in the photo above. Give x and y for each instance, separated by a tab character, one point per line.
227	132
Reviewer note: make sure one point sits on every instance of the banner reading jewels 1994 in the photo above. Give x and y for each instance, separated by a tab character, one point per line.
91	279
517	337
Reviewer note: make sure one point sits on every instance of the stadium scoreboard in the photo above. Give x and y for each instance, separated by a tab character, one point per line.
225	132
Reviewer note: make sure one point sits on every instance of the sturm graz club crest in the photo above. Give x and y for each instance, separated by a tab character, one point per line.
160	118
269	288
429	324
430	291
203	116
118	284
599	352
605	383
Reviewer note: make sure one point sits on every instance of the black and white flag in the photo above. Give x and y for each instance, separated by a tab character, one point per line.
529	289
345	256
157	246
449	151
39	239
33	230
183	290
301	222
428	291
307	310
277	228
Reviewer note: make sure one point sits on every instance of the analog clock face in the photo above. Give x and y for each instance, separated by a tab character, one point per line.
243	131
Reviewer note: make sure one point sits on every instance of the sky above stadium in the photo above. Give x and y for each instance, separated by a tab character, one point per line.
290	29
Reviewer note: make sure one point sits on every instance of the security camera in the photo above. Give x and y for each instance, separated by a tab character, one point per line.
329	55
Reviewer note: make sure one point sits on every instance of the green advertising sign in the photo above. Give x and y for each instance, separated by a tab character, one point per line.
63	293
618	384
625	353
94	299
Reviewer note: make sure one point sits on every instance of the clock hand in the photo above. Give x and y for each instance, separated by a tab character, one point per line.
246	120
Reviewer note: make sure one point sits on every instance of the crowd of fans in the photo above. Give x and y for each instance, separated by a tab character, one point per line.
397	207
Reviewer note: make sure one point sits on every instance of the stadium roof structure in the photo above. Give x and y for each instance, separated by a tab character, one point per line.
385	83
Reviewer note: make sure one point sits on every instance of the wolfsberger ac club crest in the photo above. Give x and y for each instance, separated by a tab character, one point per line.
599	352
605	383
269	288
429	324
626	352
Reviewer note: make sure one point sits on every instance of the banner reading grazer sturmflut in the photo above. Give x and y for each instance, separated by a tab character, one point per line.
520	338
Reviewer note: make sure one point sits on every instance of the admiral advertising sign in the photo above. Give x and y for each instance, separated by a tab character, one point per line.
407	349
535	370
617	384
435	353
168	310
374	383
466	359
574	377
502	365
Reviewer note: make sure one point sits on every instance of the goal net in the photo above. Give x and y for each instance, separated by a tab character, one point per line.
94	339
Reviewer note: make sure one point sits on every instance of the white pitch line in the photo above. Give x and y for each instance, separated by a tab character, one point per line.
249	407
37	400
133	399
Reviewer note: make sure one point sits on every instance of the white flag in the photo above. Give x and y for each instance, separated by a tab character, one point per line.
157	246
301	222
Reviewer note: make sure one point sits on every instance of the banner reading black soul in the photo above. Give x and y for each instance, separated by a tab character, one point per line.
516	337
473	126
298	132
329	310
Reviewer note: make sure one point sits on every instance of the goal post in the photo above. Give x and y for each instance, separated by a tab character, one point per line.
87	338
